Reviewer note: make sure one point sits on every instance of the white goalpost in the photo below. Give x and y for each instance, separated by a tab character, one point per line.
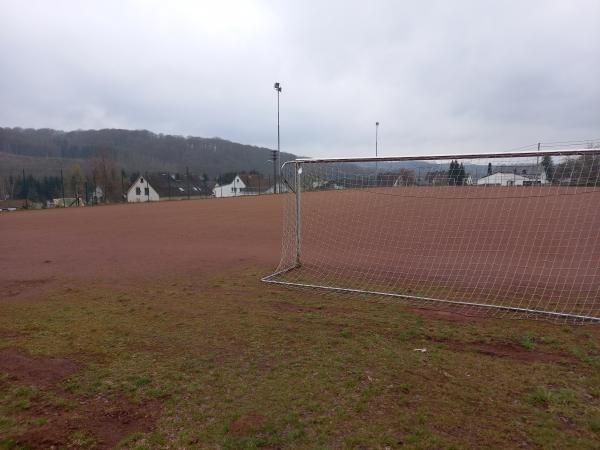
509	234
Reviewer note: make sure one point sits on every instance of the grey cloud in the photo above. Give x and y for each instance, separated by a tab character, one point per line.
439	76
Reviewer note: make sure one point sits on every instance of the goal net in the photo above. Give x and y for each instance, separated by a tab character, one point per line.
505	234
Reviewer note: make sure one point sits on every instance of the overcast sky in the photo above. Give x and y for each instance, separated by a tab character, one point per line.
440	76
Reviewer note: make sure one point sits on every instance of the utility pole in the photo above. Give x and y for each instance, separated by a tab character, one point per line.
122	185
274	159
169	181
376	137
538	161
376	162
62	183
187	176
277	87
94	198
26	190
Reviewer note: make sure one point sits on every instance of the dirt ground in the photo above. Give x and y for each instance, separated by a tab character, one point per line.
125	243
532	247
146	326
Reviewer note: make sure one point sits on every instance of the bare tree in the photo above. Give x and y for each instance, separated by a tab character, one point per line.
104	174
406	177
75	179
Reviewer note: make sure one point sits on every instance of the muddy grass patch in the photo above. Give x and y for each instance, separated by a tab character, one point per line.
518	353
98	422
41	371
509	351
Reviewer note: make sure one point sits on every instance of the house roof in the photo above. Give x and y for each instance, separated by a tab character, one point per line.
169	184
252	181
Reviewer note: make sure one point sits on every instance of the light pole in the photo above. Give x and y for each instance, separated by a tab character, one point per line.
376	162
277	87
376	136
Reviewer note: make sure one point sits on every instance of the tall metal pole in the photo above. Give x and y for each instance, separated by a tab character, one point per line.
26	189
278	138
376	137
187	175
376	163
62	183
298	169
277	87
539	176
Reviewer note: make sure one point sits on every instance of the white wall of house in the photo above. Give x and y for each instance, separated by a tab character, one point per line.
510	179
142	191
282	188
232	189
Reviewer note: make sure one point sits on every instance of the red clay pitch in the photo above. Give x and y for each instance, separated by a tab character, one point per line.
488	241
126	242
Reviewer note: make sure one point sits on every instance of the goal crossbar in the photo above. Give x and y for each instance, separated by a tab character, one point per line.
458	156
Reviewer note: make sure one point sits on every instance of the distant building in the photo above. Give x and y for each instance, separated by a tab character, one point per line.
97	195
513	179
232	189
324	185
142	191
282	188
241	184
167	186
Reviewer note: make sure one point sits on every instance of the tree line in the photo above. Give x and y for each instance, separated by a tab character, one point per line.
132	150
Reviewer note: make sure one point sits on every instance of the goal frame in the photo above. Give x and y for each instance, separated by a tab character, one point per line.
295	186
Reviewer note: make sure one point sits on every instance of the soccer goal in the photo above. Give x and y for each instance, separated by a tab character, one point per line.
507	234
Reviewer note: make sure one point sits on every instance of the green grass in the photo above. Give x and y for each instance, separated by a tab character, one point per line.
239	364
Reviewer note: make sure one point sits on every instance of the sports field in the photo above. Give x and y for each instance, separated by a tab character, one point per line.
528	247
146	326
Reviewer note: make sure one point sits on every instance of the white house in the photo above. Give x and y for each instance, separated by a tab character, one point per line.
324	185
512	179
97	195
142	191
233	189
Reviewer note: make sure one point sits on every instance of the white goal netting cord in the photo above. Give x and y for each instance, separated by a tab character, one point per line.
509	234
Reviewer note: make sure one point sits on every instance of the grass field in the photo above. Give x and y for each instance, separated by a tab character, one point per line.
146	326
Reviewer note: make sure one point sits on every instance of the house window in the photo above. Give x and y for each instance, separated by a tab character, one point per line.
138	191
147	191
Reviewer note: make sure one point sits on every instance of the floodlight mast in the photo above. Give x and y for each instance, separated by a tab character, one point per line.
376	139
277	87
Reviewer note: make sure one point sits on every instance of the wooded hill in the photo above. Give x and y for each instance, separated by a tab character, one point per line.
44	151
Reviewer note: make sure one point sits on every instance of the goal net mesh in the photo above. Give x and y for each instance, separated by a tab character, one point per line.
502	235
